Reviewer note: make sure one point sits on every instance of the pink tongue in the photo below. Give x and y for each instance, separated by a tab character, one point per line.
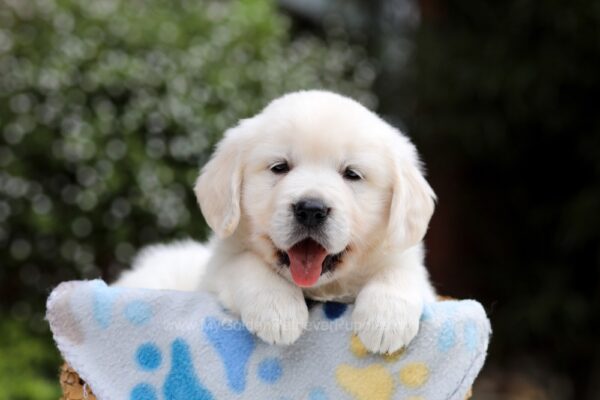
306	262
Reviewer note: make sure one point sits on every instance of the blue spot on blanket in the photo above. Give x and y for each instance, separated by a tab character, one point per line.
138	312
471	335
317	394
334	310
270	370
143	391
447	337
234	344
447	308
148	356
182	382
427	313
103	300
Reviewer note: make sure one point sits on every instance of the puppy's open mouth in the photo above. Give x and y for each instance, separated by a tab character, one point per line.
308	260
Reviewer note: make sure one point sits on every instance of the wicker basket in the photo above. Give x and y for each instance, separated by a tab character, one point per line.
73	387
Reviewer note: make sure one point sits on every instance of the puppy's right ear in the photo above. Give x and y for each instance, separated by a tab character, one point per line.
218	188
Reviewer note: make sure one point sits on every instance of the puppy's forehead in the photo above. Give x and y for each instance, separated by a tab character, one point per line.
318	128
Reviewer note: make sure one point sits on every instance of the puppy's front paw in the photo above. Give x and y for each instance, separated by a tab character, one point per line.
385	323
276	317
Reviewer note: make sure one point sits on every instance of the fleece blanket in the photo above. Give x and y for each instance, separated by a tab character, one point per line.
140	344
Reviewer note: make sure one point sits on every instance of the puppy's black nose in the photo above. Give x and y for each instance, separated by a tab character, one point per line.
310	212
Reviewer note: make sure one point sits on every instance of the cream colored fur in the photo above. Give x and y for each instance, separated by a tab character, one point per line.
380	221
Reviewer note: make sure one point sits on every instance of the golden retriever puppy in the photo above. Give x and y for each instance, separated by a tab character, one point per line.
315	197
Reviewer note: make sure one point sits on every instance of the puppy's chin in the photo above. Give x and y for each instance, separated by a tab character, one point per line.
308	263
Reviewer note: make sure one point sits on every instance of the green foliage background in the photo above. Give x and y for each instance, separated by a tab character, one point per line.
107	110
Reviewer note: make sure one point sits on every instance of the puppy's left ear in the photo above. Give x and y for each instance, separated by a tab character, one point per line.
413	200
218	188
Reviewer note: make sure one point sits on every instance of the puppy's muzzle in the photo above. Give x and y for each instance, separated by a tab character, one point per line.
311	212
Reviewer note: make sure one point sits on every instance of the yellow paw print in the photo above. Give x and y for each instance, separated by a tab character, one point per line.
375	382
360	351
370	383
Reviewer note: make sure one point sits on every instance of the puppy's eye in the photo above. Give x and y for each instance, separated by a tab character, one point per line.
280	168
351	175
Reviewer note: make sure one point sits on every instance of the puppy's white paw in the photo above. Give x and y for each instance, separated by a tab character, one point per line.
276	317
385	323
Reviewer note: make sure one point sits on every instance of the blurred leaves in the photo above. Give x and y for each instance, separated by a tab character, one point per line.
28	363
107	110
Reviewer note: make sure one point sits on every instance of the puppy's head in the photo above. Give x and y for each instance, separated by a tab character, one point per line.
314	184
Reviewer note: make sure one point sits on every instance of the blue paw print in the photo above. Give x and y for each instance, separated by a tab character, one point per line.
448	337
234	344
181	383
103	299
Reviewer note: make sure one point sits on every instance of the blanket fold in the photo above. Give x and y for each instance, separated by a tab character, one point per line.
139	344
